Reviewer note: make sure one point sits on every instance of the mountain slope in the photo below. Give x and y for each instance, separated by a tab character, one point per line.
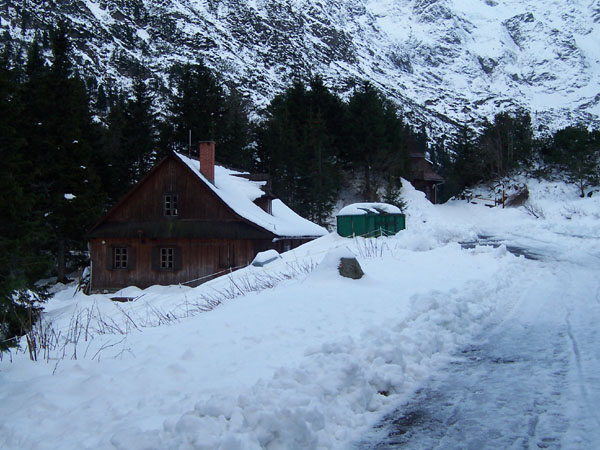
443	61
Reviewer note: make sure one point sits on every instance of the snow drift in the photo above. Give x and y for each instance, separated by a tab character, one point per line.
289	355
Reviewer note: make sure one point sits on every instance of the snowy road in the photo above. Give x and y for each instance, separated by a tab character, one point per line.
492	344
530	380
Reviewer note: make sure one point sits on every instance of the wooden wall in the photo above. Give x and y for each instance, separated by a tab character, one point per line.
200	258
196	201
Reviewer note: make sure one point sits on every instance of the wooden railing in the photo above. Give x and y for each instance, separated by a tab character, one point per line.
491	202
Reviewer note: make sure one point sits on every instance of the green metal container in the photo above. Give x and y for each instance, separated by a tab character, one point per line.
370	224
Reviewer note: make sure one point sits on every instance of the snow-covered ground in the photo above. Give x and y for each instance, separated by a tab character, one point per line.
293	356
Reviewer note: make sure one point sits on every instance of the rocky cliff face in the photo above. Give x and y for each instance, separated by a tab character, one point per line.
443	61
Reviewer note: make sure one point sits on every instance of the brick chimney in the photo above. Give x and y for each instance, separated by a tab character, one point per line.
207	160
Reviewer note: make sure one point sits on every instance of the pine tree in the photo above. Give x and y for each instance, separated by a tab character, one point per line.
197	108
21	264
325	119
468	167
299	146
576	151
139	137
280	144
101	103
505	143
366	134
130	144
234	133
376	143
114	171
60	141
203	109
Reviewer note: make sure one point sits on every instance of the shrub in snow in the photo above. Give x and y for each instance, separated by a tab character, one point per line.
534	210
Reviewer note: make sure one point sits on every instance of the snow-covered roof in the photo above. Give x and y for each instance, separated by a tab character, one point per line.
239	194
357	209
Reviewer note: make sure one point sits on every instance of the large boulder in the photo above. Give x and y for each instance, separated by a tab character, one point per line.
350	268
518	198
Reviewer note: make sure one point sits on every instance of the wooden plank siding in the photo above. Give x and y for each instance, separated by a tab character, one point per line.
206	235
200	258
196	201
423	177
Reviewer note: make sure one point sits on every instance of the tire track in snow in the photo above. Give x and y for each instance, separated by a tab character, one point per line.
580	372
496	394
514	388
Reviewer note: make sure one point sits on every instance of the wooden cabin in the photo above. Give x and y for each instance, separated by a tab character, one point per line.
423	177
187	221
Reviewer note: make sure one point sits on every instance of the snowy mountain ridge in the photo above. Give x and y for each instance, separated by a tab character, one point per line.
444	61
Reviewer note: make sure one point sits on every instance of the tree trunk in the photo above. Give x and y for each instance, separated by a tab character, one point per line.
61	261
367	192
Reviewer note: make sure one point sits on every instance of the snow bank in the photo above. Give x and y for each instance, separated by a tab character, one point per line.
554	213
328	269
307	407
265	257
303	365
429	226
290	355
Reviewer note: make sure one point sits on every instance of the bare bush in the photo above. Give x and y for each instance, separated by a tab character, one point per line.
534	210
372	248
44	343
570	211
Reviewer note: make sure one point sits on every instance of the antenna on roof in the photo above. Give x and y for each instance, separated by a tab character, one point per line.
190	143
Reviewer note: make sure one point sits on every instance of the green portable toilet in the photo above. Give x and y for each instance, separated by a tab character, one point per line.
370	220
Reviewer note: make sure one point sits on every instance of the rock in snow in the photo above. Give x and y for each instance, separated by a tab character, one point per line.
350	268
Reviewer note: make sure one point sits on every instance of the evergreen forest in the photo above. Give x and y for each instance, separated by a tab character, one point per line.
70	148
